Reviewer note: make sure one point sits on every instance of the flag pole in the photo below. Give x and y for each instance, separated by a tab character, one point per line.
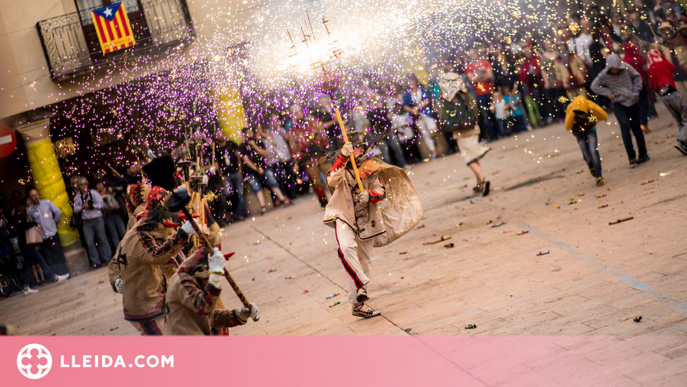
343	132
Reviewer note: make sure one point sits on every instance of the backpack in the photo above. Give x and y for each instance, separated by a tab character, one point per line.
458	114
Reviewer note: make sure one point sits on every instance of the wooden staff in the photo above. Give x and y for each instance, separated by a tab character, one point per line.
355	167
210	248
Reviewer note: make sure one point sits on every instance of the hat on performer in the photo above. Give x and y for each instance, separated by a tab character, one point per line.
160	171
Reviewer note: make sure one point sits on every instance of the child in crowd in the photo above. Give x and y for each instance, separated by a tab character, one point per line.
498	107
516	120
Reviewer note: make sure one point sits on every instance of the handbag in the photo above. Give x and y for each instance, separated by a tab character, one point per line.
75	221
33	236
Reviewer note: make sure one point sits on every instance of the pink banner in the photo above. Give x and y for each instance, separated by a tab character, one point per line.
344	361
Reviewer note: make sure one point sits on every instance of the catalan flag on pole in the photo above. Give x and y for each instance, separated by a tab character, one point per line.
113	27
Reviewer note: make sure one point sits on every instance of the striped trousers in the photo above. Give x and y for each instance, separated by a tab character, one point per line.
355	256
150	328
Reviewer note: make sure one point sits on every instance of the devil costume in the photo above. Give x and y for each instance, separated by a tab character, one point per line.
193	297
139	261
387	208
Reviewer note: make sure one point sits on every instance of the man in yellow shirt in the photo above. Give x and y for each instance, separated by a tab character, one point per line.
580	119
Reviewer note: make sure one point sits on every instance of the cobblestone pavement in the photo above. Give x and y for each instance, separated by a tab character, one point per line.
594	280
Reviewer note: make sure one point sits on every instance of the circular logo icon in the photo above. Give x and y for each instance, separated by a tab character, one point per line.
34	361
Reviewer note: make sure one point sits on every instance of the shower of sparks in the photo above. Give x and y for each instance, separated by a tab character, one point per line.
275	54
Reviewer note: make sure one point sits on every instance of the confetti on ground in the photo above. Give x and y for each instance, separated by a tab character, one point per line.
621	220
523	232
332	295
113	329
100	282
419	227
648	181
603	206
334	304
499	224
542	253
471	326
578	172
601	196
449	245
271	270
290	277
637	319
580	194
305	291
558	207
403	252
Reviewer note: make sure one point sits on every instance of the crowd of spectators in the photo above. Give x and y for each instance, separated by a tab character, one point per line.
519	83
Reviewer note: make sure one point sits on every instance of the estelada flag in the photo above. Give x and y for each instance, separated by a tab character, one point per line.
113	27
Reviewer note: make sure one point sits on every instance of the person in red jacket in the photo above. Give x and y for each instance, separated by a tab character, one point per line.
661	79
635	59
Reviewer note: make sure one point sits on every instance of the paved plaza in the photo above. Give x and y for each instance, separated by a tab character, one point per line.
594	280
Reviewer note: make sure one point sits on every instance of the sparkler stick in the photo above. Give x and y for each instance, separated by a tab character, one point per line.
312	32
355	167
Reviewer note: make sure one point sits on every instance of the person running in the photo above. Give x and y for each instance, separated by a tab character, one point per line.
458	113
622	84
662	81
363	219
580	119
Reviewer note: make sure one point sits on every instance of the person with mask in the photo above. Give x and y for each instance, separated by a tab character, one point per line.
362	218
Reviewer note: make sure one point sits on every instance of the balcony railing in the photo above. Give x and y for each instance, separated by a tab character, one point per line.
72	48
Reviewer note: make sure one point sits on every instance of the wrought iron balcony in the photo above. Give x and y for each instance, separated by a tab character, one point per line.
71	47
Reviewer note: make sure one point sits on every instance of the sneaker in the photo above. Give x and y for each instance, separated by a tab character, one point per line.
360	310
486	185
61	278
591	170
643	159
600	181
682	147
633	164
362	295
28	291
